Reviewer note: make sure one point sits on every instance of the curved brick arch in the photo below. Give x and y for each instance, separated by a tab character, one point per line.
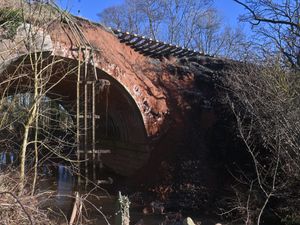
122	130
132	75
135	72
166	99
132	70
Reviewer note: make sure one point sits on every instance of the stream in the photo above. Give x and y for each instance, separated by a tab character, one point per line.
100	204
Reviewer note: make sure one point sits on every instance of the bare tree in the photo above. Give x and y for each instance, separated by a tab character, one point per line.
24	116
276	25
266	106
188	23
264	98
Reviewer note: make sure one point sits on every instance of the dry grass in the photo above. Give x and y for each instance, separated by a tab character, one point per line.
34	13
16	208
10	4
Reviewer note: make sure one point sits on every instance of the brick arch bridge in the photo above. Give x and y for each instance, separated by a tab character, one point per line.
147	98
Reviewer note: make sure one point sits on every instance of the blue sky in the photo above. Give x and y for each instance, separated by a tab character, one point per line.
88	8
228	9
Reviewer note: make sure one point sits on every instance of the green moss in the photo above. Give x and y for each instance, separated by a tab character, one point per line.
10	20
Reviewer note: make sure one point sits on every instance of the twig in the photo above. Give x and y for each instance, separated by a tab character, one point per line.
16	198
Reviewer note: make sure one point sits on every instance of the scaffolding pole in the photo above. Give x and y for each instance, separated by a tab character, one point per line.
86	113
78	116
93	130
87	81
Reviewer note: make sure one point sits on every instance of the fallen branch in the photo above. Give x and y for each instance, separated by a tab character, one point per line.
76	208
16	198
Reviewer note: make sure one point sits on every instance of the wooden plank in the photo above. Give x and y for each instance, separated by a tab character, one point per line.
194	53
173	50
77	49
89	116
146	46
157	46
100	151
163	52
187	53
140	44
108	181
138	39
77	208
183	54
156	51
177	51
123	35
129	38
87	82
153	48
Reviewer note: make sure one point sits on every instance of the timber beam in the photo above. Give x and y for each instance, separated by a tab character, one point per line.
153	48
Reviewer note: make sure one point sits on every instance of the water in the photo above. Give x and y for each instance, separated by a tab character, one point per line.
6	158
100	204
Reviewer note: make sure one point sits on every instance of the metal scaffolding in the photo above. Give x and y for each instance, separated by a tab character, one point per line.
87	80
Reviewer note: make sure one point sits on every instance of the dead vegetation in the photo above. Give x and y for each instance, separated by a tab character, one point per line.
20	202
22	208
265	105
36	12
265	101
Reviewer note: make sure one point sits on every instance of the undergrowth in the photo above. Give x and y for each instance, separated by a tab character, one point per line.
10	20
